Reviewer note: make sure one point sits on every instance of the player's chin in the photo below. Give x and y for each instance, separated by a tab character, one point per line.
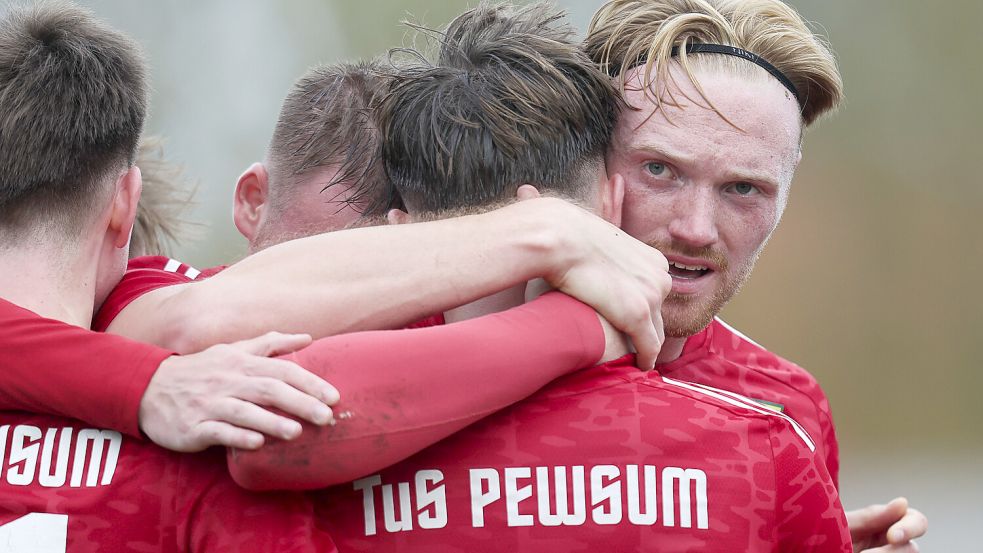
685	315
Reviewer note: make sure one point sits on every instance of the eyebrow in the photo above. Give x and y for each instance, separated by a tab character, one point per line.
680	158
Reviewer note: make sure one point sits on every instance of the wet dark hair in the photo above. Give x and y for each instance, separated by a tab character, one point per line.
328	119
510	99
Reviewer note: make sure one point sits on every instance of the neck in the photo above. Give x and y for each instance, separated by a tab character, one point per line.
54	282
671	349
506	299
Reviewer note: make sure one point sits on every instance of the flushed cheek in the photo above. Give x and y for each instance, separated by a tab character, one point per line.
744	234
646	216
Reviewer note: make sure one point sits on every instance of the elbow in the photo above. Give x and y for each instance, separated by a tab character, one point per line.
249	472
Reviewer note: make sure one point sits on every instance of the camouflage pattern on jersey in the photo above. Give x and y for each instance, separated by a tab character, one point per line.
606	459
724	358
68	488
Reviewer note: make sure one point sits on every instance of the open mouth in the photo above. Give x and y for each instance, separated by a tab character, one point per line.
687	272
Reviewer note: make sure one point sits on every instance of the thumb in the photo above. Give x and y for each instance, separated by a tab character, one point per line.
527	192
876	518
274	343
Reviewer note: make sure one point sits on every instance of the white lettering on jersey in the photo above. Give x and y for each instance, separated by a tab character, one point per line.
426	497
515	495
365	485
609	492
27	459
481	499
564	516
394	524
635	514
561	497
671	475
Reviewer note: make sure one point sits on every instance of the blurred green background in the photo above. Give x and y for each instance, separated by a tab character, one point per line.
872	282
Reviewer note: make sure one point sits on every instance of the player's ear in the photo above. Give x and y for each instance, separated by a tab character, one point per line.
251	197
398	217
527	192
612	198
124	206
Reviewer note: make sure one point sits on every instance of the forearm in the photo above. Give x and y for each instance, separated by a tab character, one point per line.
361	279
404	390
57	369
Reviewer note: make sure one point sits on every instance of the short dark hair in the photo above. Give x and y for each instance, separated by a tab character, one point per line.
511	99
328	119
73	99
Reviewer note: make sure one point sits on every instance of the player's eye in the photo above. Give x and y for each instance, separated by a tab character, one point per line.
657	169
744	188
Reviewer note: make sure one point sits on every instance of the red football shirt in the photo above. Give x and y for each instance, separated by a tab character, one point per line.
46	366
402	390
67	487
724	358
605	459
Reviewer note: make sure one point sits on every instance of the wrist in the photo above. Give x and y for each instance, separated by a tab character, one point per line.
544	237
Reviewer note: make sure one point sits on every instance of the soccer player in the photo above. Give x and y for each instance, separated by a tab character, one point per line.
720	93
186	408
609	457
714	353
404	391
74	101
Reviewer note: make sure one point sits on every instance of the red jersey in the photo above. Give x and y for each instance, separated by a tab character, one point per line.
722	357
46	366
67	487
402	390
609	458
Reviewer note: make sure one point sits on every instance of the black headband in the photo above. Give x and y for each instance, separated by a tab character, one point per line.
699	48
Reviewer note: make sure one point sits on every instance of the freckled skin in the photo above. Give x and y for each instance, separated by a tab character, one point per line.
696	202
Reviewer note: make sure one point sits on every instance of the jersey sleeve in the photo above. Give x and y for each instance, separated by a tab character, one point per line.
143	275
217	516
830	445
404	390
809	515
50	367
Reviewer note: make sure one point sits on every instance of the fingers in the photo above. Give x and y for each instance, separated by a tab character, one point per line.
272	392
298	377
912	525
210	433
248	416
273	343
647	341
910	547
875	519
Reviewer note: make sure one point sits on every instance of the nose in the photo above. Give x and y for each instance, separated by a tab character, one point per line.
694	217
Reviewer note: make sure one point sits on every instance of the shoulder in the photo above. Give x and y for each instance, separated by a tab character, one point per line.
742	408
144	275
736	348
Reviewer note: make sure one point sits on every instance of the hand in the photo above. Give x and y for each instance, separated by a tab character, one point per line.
602	266
886	528
217	396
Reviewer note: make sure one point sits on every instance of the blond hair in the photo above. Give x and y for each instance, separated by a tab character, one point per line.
161	221
624	34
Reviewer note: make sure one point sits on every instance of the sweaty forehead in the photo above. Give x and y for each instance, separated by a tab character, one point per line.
757	127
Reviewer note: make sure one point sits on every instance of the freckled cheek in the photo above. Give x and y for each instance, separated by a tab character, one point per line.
745	231
646	215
